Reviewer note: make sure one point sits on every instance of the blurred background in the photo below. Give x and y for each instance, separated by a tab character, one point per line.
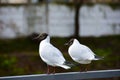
95	23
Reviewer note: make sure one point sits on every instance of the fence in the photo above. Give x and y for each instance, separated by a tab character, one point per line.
68	76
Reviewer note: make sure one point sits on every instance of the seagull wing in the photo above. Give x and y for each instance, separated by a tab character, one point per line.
51	55
87	52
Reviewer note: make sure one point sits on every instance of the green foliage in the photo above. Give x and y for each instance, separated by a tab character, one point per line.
114	5
8	66
18	71
38	72
103	52
7	62
18	45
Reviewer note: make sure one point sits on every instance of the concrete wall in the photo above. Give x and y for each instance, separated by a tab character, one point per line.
97	20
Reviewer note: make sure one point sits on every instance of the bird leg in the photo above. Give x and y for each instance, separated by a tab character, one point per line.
54	70
87	66
80	68
48	69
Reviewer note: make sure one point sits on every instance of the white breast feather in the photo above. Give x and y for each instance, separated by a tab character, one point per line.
51	55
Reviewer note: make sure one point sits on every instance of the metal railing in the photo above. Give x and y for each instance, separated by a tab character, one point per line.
68	76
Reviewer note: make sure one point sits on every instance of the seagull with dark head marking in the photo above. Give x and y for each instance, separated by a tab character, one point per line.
50	54
81	53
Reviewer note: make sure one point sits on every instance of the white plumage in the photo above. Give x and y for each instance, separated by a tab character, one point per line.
50	54
81	53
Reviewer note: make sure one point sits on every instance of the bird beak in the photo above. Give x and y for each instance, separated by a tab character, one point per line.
38	37
66	44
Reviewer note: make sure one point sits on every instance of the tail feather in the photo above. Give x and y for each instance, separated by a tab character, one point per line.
65	66
69	63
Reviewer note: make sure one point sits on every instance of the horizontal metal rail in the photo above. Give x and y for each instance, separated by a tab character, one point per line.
68	75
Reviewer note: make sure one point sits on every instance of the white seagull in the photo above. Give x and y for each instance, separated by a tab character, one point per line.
50	54
81	53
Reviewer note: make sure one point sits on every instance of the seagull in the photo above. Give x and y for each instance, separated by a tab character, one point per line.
81	53
50	54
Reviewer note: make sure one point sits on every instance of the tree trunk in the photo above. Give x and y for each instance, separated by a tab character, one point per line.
76	32
78	4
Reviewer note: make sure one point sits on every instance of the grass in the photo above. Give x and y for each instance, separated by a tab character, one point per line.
20	56
17	45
